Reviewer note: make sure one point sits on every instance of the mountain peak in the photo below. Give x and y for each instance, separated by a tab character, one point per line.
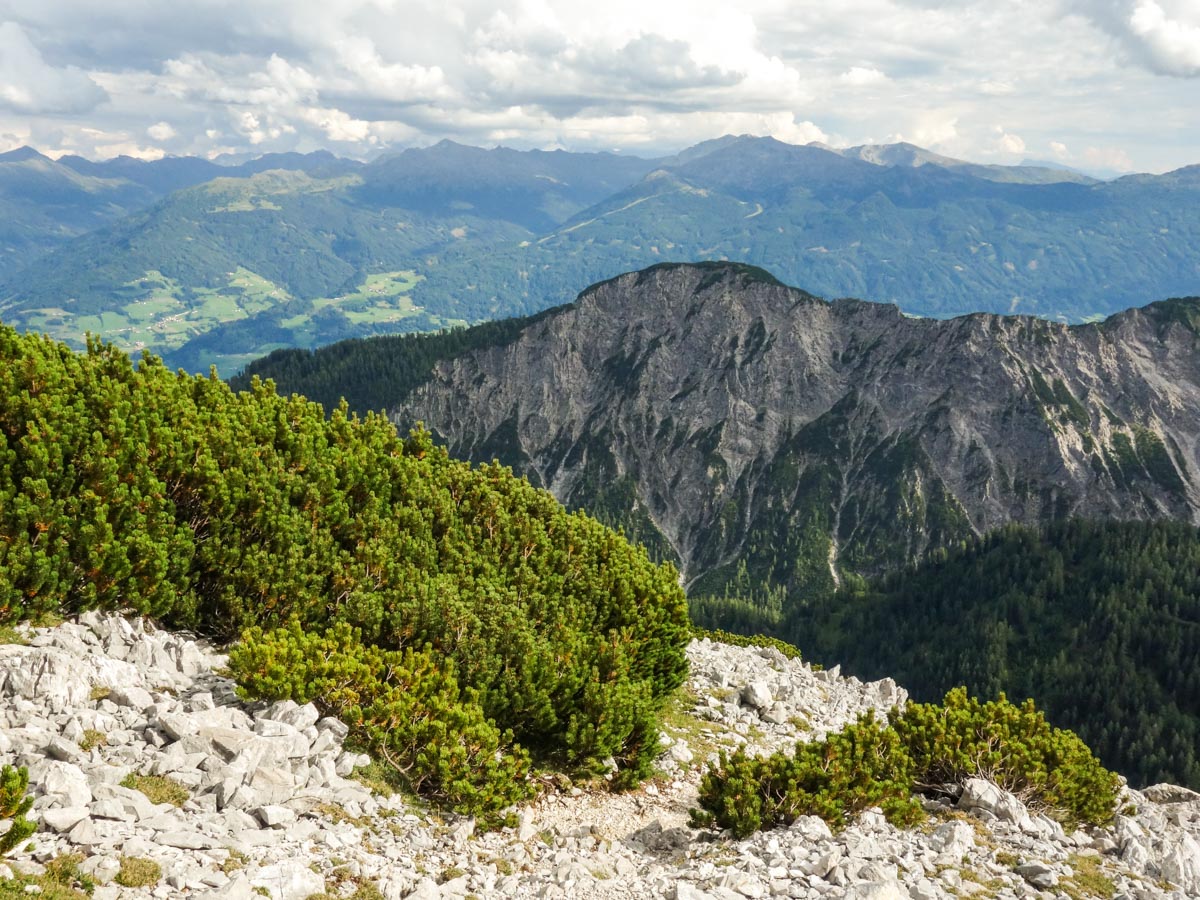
21	154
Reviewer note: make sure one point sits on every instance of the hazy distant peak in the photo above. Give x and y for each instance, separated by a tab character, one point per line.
21	154
899	154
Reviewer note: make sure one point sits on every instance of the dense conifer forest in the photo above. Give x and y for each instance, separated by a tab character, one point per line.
1098	622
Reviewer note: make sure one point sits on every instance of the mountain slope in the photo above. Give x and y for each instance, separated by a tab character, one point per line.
484	234
1099	621
44	203
736	421
306	253
935	240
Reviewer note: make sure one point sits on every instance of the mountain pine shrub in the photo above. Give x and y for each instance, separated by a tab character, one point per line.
1011	746
403	705
132	487
863	765
14	804
922	748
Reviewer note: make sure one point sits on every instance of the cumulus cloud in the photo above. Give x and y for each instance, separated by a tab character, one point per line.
1108	158
28	84
1010	143
161	131
862	76
358	76
1163	35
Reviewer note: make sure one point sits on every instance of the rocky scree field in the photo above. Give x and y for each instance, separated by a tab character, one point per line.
150	778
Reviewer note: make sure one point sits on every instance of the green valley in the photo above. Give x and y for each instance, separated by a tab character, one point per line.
497	233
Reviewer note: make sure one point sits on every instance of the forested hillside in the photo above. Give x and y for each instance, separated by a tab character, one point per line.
226	271
1099	621
452	598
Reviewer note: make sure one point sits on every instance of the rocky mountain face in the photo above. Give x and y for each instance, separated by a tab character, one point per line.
141	759
728	421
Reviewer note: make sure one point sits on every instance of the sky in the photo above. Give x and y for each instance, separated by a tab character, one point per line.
1095	84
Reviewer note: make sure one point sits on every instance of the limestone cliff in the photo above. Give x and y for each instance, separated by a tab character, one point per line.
726	417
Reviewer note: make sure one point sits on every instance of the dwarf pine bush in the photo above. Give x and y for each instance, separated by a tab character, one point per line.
14	804
404	706
129	486
1012	746
863	765
923	748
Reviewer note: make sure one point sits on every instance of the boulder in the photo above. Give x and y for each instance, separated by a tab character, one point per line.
757	695
952	840
980	794
1181	864
877	890
288	881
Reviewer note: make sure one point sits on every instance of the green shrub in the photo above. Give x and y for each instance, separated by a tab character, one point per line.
863	765
137	487
404	706
14	805
1012	746
924	748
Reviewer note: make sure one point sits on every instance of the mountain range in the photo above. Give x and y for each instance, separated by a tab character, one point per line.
731	422
298	251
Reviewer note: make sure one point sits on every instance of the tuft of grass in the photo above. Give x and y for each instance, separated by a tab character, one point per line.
449	874
10	635
379	779
1089	881
62	879
137	871
503	866
22	887
158	788
92	739
338	815
100	692
236	860
679	720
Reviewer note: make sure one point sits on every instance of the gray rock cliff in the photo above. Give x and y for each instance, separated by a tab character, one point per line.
724	416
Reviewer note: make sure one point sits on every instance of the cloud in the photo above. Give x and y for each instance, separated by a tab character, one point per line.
862	76
1173	44
359	76
931	128
1010	143
161	131
29	85
1112	158
1163	35
1060	151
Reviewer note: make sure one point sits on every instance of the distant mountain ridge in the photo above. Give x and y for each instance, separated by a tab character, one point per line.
732	422
451	234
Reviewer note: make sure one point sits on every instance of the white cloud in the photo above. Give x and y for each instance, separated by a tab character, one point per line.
1108	158
1163	35
161	131
862	76
28	84
932	128
359	75
1172	43
1010	143
1060	151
